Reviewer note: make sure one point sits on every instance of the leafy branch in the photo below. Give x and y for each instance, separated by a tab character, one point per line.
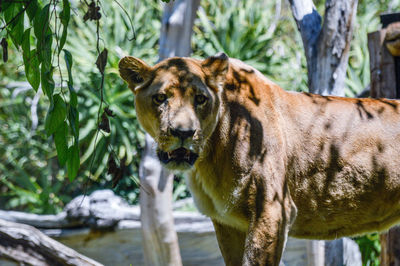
35	40
41	57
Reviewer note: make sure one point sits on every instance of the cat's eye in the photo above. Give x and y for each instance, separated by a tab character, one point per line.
158	99
200	99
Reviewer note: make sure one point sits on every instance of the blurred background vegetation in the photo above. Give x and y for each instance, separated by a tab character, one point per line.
262	33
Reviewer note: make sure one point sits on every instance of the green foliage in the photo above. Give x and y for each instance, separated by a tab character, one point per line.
258	33
370	248
126	139
38	51
74	133
30	179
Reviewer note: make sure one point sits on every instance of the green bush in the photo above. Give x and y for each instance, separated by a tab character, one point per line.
29	172
370	248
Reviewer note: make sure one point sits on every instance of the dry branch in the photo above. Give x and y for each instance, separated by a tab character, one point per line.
28	246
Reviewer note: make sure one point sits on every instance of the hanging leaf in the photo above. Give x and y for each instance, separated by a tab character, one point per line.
60	139
47	81
26	43
104	123
41	22
73	161
47	51
64	16
120	173
4	45
32	70
112	165
74	97
14	17
109	112
56	114
32	8
31	61
102	60
42	29
93	12
68	63
73	118
117	172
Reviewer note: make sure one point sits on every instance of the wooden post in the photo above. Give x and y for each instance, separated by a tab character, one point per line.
390	243
383	78
385	82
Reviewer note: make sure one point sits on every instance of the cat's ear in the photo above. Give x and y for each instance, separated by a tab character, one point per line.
216	67
135	72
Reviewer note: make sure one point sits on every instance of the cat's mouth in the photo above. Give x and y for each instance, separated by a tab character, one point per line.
178	157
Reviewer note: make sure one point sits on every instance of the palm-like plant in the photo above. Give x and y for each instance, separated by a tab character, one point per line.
260	33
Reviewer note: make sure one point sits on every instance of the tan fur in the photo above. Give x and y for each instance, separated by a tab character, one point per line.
266	154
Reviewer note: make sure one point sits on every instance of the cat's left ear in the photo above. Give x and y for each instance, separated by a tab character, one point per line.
216	67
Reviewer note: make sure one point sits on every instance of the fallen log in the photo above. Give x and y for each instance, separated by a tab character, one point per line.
26	245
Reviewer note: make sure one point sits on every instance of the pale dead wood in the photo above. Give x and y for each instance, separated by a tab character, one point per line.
41	221
326	46
160	239
100	210
28	246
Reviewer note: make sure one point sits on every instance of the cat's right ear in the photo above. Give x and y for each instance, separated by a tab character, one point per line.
135	72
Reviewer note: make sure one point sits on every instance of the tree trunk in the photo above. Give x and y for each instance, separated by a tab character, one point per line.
315	253
177	28
160	239
326	49
26	245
